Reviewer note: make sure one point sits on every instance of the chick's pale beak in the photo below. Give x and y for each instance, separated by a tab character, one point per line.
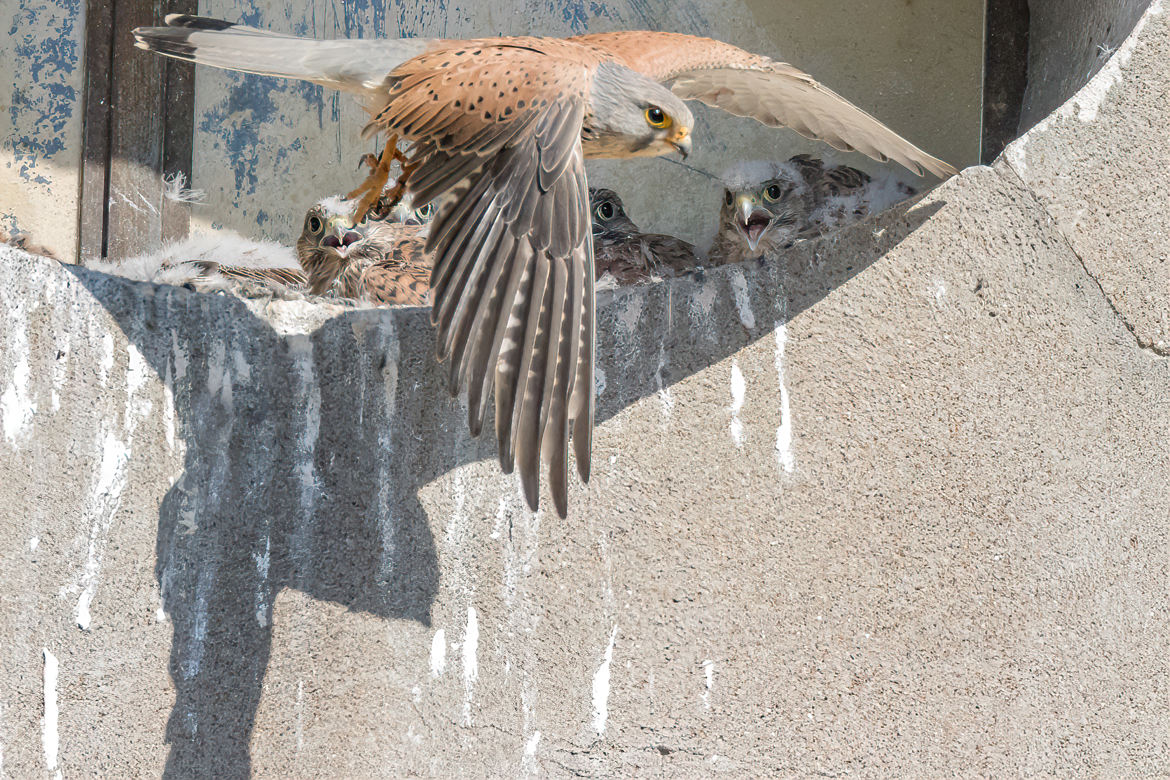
751	219
681	140
340	235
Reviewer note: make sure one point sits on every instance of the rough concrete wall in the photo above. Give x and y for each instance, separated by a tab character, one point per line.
916	65
1098	164
1070	40
893	504
40	119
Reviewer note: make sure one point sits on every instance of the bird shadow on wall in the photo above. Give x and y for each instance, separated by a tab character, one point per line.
304	454
299	466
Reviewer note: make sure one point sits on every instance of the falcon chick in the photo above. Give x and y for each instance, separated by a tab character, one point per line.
499	129
767	206
626	253
381	261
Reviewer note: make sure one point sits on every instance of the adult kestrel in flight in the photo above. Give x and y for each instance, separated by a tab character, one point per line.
499	129
627	254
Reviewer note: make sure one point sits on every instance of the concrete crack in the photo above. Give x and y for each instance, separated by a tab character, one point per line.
1144	344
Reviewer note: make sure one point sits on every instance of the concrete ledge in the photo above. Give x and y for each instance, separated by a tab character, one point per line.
893	504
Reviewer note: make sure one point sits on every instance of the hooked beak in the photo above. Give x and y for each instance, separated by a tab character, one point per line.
681	141
340	235
751	220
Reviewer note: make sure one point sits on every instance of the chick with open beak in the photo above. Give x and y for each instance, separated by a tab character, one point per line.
329	241
763	211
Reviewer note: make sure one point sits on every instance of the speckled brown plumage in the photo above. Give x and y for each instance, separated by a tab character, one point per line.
377	261
498	132
627	254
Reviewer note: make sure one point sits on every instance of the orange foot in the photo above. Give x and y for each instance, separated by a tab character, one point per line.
371	189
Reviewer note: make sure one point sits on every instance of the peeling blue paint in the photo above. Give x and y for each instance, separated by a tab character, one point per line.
43	99
576	15
239	122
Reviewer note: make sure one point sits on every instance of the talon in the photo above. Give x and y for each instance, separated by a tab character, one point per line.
370	160
371	189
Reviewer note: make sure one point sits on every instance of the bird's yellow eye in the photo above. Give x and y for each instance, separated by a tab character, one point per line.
657	118
772	192
314	225
604	212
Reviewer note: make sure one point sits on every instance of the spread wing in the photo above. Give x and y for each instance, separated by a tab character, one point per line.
774	93
497	126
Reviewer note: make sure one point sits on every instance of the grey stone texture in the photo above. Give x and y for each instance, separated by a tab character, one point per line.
893	504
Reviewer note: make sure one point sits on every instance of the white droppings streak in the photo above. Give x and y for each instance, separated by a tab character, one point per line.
300	715
470	663
137	406
939	290
219	376
194	658
703	307
709	673
33	543
784	454
528	764
601	687
49	736
738	393
169	408
664	395
309	400
598	380
743	303
105	500
137	371
17	408
180	357
439	653
263	561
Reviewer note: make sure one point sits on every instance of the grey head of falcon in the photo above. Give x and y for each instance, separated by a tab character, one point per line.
498	130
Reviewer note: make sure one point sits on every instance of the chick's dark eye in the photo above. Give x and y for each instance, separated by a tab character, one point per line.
425	212
727	197
314	224
772	192
605	211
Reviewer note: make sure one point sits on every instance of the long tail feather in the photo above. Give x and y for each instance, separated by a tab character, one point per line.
359	66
